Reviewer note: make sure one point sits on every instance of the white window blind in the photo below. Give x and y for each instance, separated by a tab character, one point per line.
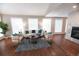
47	24
33	23
58	25
17	25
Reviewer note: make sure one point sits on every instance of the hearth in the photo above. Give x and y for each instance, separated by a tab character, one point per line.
75	32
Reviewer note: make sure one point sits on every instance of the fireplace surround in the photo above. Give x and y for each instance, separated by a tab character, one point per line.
75	32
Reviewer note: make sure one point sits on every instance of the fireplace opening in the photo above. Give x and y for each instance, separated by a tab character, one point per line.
75	32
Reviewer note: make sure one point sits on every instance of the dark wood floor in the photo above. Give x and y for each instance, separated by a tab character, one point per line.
60	47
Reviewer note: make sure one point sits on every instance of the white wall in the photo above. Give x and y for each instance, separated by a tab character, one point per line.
73	20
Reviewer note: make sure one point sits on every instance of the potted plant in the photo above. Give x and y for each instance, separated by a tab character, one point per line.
50	42
4	27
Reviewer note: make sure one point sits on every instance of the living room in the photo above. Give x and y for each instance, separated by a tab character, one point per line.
39	29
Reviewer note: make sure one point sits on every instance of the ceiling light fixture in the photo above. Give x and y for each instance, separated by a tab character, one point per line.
74	6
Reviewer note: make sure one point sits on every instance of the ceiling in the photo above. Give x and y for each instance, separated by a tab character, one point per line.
37	9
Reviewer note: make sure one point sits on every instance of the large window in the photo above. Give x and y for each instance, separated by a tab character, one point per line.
47	24
58	25
17	25
1	32
33	23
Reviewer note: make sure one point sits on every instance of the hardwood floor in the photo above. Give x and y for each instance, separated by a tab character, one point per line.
60	47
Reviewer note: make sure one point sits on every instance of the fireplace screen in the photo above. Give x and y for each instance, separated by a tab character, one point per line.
75	32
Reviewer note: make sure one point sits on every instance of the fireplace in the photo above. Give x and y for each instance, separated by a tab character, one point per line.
75	32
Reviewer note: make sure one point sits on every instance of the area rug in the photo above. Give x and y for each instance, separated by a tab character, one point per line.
25	45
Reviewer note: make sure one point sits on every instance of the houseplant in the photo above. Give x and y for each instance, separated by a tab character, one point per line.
50	42
4	27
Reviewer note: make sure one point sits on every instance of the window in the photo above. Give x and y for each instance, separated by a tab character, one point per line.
17	25
1	32
58	25
33	24
47	24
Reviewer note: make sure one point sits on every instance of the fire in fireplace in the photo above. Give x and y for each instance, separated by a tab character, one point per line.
75	32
